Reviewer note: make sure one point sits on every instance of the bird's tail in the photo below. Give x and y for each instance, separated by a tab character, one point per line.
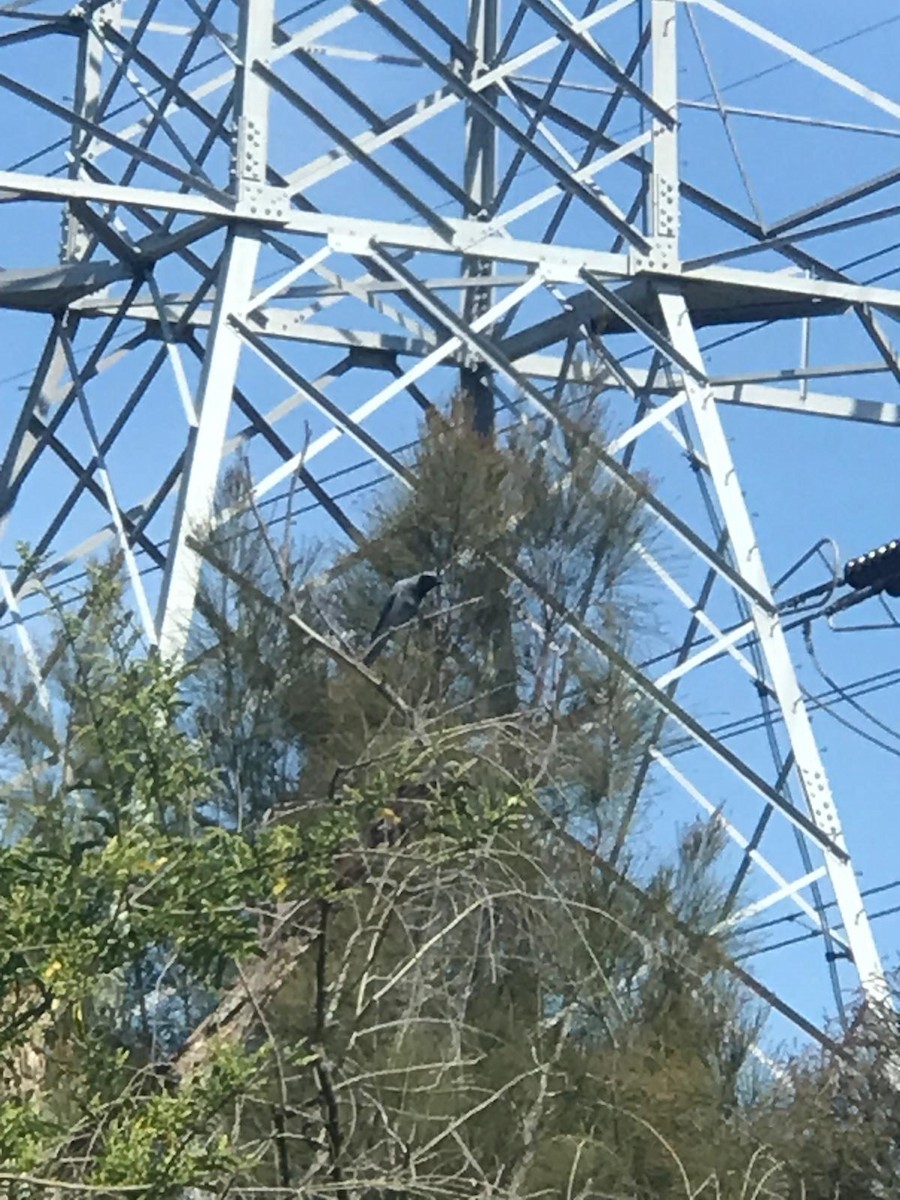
373	651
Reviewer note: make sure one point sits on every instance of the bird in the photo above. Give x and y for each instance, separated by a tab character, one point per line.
403	603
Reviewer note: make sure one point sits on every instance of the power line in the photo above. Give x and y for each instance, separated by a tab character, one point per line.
793	917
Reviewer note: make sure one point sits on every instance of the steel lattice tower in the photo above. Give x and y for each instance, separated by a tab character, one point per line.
287	229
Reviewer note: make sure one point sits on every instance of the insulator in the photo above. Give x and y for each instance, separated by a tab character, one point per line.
878	568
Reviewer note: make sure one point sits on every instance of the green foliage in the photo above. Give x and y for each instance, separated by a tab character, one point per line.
92	912
127	876
24	1134
168	1142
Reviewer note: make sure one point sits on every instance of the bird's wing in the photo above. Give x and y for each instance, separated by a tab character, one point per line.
384	621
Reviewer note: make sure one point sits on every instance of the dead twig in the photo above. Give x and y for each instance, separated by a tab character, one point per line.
340	655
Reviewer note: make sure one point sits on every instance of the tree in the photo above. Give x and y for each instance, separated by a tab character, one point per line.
277	921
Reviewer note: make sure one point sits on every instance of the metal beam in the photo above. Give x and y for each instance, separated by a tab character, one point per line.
506	126
284	324
664	198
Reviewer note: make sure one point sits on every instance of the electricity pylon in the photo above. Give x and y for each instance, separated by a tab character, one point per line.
364	203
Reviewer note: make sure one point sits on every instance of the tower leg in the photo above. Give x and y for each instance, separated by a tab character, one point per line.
206	442
774	647
480	182
219	372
